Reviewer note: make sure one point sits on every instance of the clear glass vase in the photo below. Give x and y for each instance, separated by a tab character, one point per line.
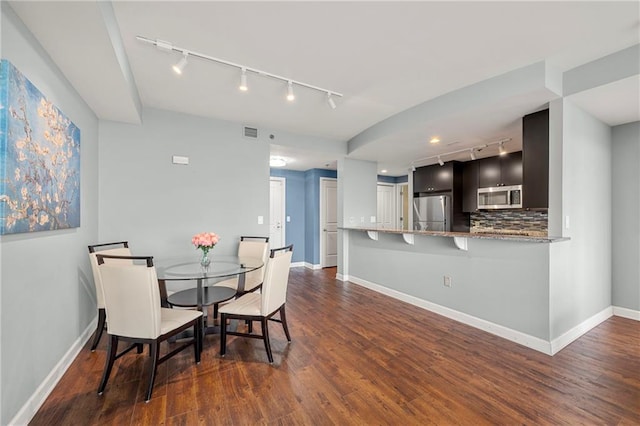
204	260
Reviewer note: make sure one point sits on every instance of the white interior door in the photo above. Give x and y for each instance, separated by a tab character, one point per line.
328	222
386	206
276	212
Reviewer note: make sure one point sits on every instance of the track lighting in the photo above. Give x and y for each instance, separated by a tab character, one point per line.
501	149
330	101
290	95
471	151
179	67
243	81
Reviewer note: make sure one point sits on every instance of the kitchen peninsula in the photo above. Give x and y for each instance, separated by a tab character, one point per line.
497	282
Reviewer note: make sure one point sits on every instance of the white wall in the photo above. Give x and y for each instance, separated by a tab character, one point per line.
581	268
48	298
158	206
626	213
357	202
503	282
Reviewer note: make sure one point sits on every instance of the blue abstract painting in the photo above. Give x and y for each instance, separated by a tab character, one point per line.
39	159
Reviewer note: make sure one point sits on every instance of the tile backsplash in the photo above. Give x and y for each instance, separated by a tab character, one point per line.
525	222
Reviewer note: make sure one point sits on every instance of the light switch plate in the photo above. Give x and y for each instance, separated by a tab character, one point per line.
288	218
177	159
373	219
566	222
260	220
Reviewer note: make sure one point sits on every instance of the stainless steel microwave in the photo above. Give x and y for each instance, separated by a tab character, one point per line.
500	197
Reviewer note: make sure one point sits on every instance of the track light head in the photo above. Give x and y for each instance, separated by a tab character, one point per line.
413	168
179	67
440	161
501	149
330	101
472	154
290	96
243	81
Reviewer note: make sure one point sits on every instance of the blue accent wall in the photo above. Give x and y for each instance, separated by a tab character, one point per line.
295	209
303	206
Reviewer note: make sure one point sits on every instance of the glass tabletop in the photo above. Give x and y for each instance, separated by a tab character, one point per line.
190	269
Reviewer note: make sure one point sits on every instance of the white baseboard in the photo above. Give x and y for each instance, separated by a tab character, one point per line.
33	404
311	266
580	329
496	329
297	264
341	277
626	313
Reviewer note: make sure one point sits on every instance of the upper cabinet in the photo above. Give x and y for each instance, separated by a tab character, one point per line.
434	178
503	170
535	167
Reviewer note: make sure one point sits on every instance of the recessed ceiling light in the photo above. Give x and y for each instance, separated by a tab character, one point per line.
383	171
434	139
277	162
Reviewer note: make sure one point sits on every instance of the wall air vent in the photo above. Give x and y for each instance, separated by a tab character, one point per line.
250	132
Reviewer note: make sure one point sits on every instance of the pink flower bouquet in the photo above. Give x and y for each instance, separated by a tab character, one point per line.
205	241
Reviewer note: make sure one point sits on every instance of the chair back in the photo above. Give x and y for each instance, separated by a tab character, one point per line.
276	279
131	296
118	251
258	248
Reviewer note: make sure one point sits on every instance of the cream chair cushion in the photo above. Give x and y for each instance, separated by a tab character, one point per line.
273	294
120	251
253	249
132	301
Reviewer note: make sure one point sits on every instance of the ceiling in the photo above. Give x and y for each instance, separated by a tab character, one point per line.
385	57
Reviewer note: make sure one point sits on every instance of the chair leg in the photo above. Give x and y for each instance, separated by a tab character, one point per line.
283	318
102	317
223	334
154	367
139	348
265	336
249	326
197	344
111	357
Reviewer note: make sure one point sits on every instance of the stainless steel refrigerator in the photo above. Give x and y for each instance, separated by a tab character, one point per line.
432	213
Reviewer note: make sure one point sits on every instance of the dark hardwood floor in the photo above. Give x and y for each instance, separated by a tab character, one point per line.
358	357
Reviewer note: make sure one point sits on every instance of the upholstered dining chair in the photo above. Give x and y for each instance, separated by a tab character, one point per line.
132	302
256	247
264	305
120	248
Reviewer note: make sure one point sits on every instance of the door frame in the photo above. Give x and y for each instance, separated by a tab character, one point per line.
283	233
321	217
399	187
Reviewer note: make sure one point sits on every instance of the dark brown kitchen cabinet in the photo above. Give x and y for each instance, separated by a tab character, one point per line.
535	160
434	178
470	186
502	170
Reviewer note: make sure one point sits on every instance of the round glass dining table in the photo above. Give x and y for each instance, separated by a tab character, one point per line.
189	269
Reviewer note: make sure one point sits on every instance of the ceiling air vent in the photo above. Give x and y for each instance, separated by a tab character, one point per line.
250	132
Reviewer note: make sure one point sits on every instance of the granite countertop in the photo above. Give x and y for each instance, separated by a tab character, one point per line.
496	235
